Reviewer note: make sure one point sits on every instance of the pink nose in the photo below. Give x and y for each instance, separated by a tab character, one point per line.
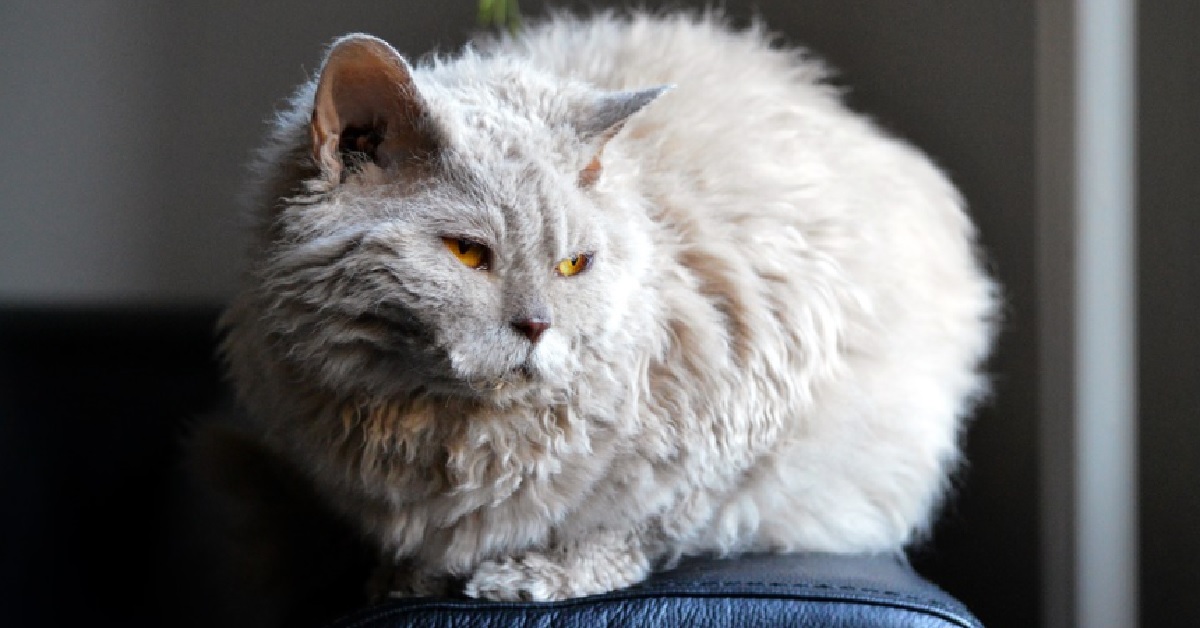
531	328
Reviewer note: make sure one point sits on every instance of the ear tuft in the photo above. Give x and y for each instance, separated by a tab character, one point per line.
366	109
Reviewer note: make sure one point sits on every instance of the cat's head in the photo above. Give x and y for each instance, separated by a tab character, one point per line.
458	231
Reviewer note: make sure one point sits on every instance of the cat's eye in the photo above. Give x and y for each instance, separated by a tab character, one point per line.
471	254
574	265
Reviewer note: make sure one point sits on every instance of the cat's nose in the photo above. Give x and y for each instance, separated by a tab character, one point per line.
532	328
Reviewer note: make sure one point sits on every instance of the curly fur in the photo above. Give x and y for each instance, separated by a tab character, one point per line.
774	349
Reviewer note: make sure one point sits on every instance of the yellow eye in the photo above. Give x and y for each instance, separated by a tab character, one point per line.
574	265
471	254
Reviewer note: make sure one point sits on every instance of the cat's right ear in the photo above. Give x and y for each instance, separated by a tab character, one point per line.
367	109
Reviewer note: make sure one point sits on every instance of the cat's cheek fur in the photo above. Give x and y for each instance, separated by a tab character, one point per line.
551	360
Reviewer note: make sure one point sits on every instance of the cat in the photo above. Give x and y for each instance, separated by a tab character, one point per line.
552	313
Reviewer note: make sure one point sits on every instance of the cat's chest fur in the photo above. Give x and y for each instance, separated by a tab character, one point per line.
442	476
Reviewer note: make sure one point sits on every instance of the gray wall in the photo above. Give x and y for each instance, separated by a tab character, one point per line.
126	126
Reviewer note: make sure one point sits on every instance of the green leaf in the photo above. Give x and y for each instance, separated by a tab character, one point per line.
500	14
487	9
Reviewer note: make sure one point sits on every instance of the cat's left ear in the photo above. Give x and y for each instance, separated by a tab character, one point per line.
600	122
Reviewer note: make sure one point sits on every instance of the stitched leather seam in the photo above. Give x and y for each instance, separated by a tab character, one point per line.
792	585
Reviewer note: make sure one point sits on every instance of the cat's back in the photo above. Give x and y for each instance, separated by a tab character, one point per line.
752	139
725	83
748	116
688	50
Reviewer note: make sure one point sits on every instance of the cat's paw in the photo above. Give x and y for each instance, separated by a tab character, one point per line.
563	574
533	578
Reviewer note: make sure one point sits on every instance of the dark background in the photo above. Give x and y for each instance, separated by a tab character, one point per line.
126	128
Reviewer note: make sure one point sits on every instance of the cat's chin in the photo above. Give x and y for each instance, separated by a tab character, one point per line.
520	384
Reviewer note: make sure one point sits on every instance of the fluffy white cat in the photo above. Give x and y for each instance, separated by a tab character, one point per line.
551	313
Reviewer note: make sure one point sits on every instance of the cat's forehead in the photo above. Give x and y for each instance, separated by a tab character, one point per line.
523	206
499	86
509	159
504	108
511	205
